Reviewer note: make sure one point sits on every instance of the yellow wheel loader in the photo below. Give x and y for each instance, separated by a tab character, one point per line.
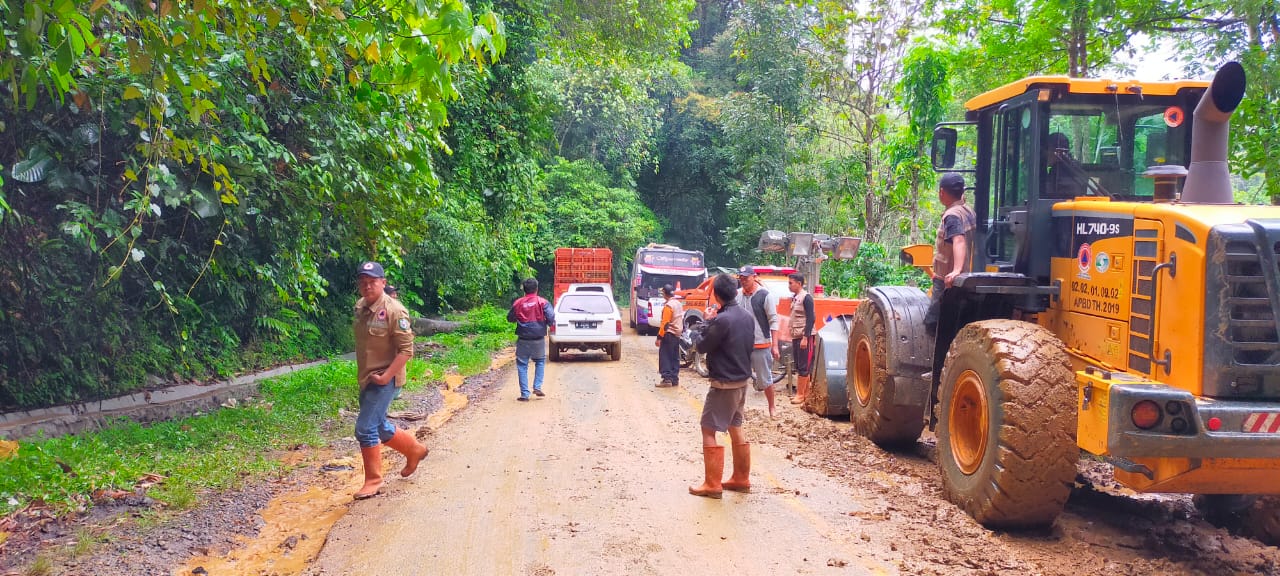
1121	303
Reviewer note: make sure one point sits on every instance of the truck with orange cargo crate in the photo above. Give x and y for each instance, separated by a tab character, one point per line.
581	266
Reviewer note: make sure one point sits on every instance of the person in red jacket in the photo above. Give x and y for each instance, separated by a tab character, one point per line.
532	315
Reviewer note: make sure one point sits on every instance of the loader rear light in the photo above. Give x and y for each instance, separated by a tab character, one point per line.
1214	424
1145	414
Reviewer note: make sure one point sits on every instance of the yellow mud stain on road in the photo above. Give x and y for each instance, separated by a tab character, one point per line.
296	525
453	401
502	358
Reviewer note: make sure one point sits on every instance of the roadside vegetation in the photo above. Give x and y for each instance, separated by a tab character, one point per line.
175	462
186	187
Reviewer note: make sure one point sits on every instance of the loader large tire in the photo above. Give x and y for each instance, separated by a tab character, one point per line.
1007	423
1262	520
816	401
871	404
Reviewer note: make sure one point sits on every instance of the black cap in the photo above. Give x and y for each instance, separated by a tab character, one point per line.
747	271
371	269
952	182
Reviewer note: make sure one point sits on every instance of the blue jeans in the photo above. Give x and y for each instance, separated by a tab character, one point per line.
522	372
527	350
372	426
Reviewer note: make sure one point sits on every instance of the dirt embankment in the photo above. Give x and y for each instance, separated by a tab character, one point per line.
901	516
1105	530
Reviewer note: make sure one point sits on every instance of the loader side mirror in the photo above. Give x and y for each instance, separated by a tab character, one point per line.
944	148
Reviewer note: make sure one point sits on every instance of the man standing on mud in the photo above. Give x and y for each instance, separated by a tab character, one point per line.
384	345
668	342
727	342
764	310
802	322
951	251
532	315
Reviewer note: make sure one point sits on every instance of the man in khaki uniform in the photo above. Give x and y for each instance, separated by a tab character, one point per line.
384	345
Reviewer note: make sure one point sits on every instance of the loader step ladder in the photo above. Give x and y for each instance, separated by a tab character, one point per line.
1148	252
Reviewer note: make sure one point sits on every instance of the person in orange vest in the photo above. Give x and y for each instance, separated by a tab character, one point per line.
384	345
668	342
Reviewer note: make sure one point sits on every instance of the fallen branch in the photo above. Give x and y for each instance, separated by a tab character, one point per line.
428	326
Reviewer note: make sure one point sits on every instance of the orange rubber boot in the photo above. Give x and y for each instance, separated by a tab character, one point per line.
404	443
713	462
740	481
802	390
372	457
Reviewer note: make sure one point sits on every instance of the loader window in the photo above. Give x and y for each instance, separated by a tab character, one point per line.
1012	173
1111	143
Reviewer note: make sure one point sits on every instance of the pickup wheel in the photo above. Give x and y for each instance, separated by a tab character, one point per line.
615	351
1006	424
553	351
872	409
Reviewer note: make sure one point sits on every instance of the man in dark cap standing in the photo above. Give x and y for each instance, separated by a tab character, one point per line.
952	250
384	345
669	331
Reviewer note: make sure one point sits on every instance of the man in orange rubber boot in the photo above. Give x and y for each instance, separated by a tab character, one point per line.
384	344
728	342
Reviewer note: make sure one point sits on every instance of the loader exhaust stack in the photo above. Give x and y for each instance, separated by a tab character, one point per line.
1208	178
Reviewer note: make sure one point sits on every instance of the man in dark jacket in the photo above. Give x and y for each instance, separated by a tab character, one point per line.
532	314
727	341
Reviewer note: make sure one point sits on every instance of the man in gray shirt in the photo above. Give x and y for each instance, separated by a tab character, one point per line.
764	309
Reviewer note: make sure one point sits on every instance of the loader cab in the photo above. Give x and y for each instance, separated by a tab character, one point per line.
1036	142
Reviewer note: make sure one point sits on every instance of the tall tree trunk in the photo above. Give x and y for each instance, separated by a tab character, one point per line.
1078	43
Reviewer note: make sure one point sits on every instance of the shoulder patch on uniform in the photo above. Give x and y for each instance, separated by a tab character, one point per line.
403	323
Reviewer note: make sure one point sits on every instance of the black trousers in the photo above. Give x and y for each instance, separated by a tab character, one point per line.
669	358
934	312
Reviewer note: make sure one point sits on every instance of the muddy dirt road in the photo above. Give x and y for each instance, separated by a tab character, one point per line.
592	480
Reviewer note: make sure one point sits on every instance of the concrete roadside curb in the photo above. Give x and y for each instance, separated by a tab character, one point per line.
149	406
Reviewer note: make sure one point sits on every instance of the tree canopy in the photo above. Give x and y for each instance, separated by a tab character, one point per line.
186	186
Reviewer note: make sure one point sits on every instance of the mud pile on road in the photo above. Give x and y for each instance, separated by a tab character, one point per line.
1103	531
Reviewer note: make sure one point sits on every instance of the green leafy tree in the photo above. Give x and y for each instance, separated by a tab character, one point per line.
583	210
1248	31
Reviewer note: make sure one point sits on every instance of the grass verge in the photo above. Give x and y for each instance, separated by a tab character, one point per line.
227	447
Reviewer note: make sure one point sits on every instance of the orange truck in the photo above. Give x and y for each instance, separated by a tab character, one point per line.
581	266
828	363
774	279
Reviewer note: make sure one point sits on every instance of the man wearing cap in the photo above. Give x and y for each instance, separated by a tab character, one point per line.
532	315
764	309
951	250
384	345
668	342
